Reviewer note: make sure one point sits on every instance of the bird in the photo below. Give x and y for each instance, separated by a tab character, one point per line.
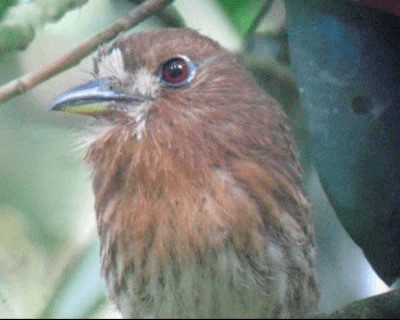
199	200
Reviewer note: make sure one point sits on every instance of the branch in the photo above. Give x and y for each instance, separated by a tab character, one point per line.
383	306
77	54
170	17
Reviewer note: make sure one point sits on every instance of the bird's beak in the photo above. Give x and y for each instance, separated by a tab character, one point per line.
92	98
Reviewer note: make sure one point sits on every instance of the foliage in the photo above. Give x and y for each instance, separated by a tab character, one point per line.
19	20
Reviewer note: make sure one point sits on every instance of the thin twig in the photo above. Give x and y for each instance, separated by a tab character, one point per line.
170	17
73	57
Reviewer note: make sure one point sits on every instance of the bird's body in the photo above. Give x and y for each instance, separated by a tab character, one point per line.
199	203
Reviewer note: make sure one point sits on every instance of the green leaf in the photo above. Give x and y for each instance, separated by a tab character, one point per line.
242	13
4	4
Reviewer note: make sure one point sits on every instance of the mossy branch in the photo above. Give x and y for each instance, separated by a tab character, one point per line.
18	25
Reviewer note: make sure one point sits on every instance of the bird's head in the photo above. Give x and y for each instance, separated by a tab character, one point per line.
164	79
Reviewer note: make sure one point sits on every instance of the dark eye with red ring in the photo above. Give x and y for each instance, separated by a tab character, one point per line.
177	71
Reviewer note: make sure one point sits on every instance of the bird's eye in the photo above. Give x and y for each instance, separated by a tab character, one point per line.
177	71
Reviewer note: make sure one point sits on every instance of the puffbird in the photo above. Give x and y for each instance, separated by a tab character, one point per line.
198	192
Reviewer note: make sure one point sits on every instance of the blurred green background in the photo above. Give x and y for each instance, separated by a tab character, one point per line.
49	261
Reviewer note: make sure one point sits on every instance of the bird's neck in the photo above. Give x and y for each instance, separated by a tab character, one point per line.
152	199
